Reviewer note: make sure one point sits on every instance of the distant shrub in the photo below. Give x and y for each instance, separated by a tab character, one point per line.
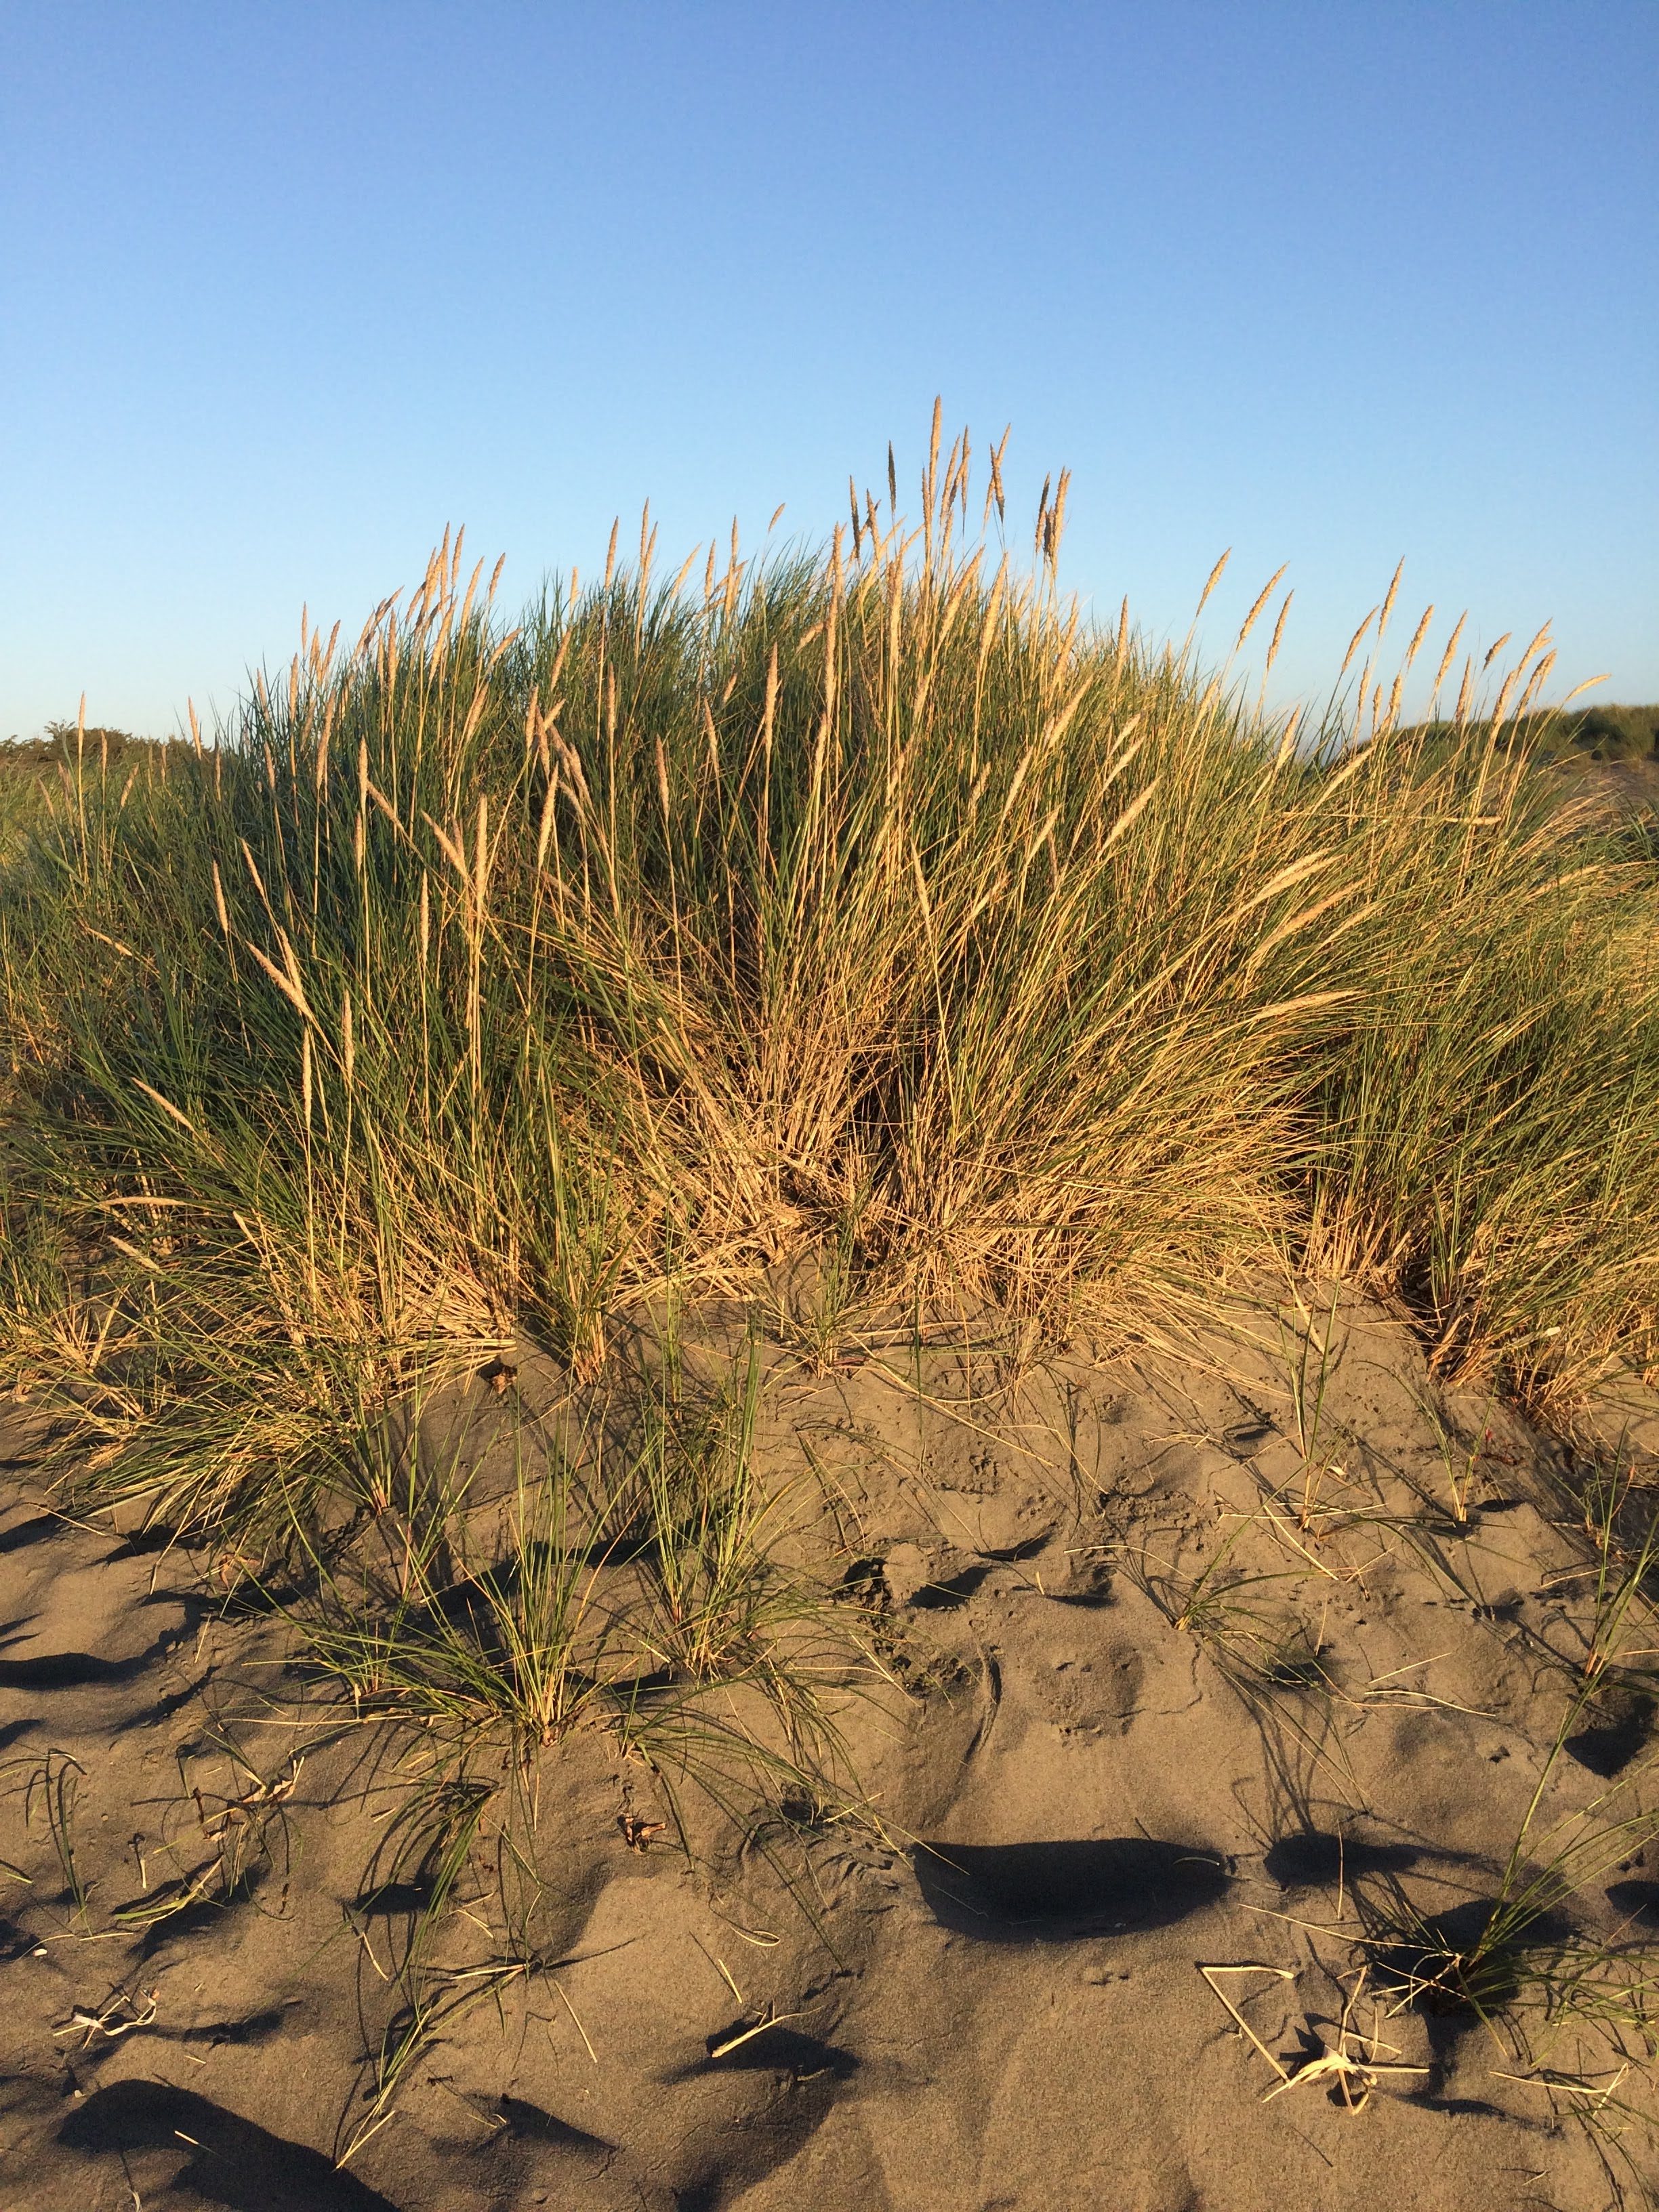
62	744
32	768
58	742
1602	734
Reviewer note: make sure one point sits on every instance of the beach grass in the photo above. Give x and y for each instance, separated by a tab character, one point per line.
866	911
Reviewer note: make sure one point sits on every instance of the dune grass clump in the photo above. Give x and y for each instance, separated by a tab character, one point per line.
23	803
868	904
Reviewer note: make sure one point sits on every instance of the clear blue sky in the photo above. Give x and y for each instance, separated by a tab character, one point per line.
284	289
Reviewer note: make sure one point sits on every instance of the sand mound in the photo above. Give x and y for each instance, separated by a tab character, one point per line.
1247	1686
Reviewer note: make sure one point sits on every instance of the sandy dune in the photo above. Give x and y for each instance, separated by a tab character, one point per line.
1175	1680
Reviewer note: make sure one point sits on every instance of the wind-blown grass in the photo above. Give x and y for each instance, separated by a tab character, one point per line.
485	979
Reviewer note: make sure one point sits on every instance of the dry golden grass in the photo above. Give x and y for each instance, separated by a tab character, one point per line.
486	978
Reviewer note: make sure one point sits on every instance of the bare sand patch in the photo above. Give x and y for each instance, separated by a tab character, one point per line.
1169	1683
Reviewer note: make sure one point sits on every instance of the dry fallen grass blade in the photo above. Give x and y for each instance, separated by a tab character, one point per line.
1350	2063
1254	1966
121	2014
724	2045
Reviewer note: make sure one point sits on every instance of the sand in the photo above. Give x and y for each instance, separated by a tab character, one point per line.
1087	1784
